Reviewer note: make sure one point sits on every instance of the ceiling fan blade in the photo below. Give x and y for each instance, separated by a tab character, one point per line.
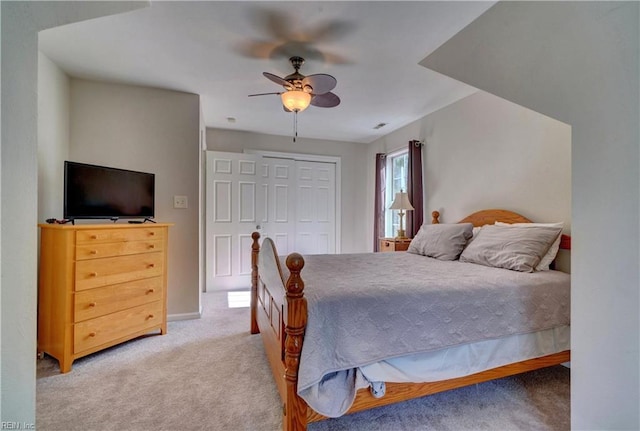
263	94
321	83
277	79
272	22
326	100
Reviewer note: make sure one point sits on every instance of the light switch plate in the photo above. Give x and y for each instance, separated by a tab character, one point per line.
180	202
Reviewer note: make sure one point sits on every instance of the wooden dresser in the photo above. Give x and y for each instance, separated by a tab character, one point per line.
99	285
394	244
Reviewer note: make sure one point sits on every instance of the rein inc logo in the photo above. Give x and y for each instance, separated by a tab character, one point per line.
9	425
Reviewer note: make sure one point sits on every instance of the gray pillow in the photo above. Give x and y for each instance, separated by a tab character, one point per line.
510	247
441	241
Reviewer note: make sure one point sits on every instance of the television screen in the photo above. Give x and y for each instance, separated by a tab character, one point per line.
92	191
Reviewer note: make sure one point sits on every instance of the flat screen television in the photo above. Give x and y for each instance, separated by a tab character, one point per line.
97	192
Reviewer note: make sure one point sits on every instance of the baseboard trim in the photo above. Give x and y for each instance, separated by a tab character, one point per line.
184	316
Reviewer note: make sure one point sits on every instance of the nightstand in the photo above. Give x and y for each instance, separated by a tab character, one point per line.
394	244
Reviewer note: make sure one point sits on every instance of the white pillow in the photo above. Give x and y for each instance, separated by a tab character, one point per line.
553	250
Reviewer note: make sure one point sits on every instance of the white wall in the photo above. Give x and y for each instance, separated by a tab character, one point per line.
503	156
19	186
355	236
53	137
579	62
149	130
485	152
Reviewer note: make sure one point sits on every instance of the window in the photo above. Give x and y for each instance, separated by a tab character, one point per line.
397	173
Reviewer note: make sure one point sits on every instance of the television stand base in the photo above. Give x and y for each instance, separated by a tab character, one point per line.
146	219
56	221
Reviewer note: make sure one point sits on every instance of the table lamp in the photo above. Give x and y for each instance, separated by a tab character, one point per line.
401	202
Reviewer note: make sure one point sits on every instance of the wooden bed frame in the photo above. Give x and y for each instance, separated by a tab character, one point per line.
279	314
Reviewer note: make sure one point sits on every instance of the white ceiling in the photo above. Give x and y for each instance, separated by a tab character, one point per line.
220	49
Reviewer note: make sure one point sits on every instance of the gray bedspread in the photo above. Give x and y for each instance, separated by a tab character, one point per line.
364	308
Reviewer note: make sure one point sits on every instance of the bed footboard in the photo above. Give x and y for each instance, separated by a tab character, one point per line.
279	314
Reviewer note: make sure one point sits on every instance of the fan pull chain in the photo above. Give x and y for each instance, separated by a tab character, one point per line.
295	125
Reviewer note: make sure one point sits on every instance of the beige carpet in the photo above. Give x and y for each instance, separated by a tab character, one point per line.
211	374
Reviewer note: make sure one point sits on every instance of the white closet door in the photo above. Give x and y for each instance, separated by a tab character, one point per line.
291	201
278	213
315	207
234	205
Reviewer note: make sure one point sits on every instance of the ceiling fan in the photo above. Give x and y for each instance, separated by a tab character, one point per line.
302	91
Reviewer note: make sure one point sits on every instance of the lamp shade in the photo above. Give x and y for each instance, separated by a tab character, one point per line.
401	202
296	100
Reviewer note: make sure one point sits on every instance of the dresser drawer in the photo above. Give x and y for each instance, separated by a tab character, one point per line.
98	250
97	236
95	332
113	270
97	302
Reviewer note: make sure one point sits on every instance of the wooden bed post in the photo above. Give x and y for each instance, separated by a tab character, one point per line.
435	217
255	249
295	408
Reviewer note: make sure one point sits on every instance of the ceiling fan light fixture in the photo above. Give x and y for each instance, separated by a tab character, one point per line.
296	100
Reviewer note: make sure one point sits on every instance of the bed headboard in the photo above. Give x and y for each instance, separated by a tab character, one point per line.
490	216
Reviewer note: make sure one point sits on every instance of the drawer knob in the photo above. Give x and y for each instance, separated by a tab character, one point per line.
152	233
151	265
94	237
151	246
93	274
92	304
151	290
93	252
92	334
150	316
